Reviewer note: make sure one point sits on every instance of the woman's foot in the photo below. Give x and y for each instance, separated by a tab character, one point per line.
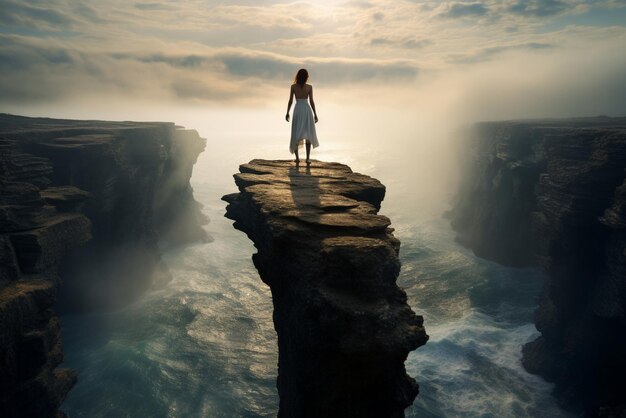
308	162
297	162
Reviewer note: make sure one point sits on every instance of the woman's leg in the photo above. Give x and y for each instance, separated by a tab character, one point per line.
308	150
297	158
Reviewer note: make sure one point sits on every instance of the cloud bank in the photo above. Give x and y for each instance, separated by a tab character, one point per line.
229	52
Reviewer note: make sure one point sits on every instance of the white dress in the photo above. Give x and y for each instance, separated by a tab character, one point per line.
302	126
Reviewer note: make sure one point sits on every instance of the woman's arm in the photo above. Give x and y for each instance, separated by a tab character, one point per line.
313	103
291	93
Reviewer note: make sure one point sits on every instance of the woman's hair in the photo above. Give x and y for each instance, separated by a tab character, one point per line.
301	77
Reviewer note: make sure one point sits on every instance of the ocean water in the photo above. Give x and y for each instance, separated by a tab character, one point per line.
205	345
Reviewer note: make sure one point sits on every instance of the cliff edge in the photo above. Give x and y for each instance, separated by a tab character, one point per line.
344	327
83	206
552	193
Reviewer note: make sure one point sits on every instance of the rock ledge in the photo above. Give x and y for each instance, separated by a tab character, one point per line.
552	193
83	206
344	327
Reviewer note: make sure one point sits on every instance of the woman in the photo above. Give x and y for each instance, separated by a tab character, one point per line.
303	124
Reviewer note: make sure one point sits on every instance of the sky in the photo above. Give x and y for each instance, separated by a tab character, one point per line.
475	60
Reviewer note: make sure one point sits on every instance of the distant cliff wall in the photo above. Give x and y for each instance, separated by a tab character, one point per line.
552	193
83	205
344	327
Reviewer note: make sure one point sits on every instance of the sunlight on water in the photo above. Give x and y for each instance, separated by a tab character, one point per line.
205	345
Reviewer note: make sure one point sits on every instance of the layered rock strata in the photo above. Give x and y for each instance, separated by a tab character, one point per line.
344	327
79	204
553	193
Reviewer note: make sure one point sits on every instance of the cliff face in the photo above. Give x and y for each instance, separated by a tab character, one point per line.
553	194
344	327
79	205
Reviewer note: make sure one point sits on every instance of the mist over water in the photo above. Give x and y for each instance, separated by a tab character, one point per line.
205	345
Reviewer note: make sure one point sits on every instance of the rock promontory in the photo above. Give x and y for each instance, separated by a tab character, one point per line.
84	208
552	193
344	327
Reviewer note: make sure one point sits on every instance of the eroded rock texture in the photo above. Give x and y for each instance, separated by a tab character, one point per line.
553	193
79	201
344	327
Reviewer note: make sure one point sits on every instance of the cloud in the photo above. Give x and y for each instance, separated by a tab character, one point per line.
37	71
181	61
359	4
614	3
519	9
152	6
331	71
17	55
381	41
539	8
89	13
251	64
36	16
416	43
34	70
459	10
404	43
212	50
378	16
274	16
486	54
408	44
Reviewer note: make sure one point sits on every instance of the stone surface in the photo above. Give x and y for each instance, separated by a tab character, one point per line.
553	193
344	327
130	179
31	385
85	201
65	198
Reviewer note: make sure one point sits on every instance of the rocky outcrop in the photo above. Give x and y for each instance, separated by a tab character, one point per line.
79	205
553	193
344	327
